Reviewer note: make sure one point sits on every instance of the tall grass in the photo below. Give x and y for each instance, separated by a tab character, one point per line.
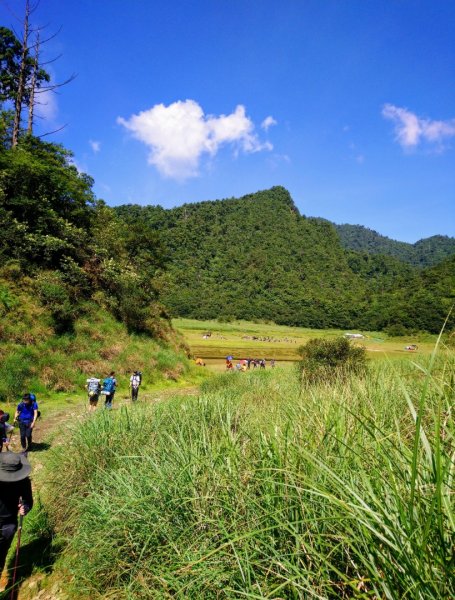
260	488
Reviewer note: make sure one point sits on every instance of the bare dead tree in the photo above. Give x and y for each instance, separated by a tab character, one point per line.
22	77
31	102
31	74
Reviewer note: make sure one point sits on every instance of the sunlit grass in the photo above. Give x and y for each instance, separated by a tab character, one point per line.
260	488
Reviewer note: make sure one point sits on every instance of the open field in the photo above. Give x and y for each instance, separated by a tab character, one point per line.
281	342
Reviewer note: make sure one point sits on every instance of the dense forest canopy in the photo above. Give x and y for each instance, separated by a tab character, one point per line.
256	257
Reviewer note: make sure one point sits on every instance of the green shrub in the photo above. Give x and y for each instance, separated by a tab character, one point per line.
396	330
15	371
54	295
325	359
7	300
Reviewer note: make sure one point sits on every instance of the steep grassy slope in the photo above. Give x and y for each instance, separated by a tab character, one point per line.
34	356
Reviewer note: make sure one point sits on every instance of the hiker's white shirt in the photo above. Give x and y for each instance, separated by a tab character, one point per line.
135	381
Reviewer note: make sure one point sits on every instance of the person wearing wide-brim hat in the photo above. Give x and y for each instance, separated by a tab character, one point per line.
15	496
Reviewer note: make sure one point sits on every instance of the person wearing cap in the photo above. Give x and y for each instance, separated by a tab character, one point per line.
15	496
26	415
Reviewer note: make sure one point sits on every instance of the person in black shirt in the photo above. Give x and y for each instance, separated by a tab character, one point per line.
15	495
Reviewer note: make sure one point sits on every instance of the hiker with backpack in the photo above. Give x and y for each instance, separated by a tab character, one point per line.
109	387
15	496
26	415
135	382
93	388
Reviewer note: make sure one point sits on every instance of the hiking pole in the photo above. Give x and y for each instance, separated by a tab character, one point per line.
8	443
18	545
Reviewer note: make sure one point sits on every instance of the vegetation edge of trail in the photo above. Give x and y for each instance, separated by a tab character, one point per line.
260	485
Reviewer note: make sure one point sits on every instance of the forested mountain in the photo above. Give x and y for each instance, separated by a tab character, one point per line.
256	257
426	252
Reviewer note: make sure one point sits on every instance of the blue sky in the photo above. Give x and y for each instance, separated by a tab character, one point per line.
349	104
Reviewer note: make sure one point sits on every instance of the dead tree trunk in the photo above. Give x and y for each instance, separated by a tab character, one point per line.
21	79
33	82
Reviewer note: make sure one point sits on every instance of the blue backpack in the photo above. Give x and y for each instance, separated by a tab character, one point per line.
108	385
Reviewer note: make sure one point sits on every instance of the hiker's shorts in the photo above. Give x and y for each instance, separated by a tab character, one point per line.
93	400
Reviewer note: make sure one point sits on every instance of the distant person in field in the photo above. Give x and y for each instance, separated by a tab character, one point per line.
272	363
93	388
15	496
26	415
135	382
109	387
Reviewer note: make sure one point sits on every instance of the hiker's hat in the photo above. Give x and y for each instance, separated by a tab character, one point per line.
13	467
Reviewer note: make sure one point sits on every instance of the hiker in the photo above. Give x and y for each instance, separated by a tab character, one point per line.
5	428
135	382
15	495
26	415
93	388
109	387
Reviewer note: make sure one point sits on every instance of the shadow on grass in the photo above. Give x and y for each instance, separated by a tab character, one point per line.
40	446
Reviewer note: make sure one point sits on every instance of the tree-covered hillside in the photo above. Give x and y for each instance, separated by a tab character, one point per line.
75	283
424	253
256	257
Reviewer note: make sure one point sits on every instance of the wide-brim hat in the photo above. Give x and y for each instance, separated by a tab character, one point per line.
13	467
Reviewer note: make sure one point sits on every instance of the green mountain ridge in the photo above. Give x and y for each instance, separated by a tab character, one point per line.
423	253
256	257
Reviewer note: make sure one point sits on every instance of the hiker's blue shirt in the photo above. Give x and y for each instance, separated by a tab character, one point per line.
27	411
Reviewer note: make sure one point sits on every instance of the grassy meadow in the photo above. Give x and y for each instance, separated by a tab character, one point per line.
281	342
264	487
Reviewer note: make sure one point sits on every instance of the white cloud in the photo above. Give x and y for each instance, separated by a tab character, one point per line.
46	105
268	122
95	146
411	129
178	135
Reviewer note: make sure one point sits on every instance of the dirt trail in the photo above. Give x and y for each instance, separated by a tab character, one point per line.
42	586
